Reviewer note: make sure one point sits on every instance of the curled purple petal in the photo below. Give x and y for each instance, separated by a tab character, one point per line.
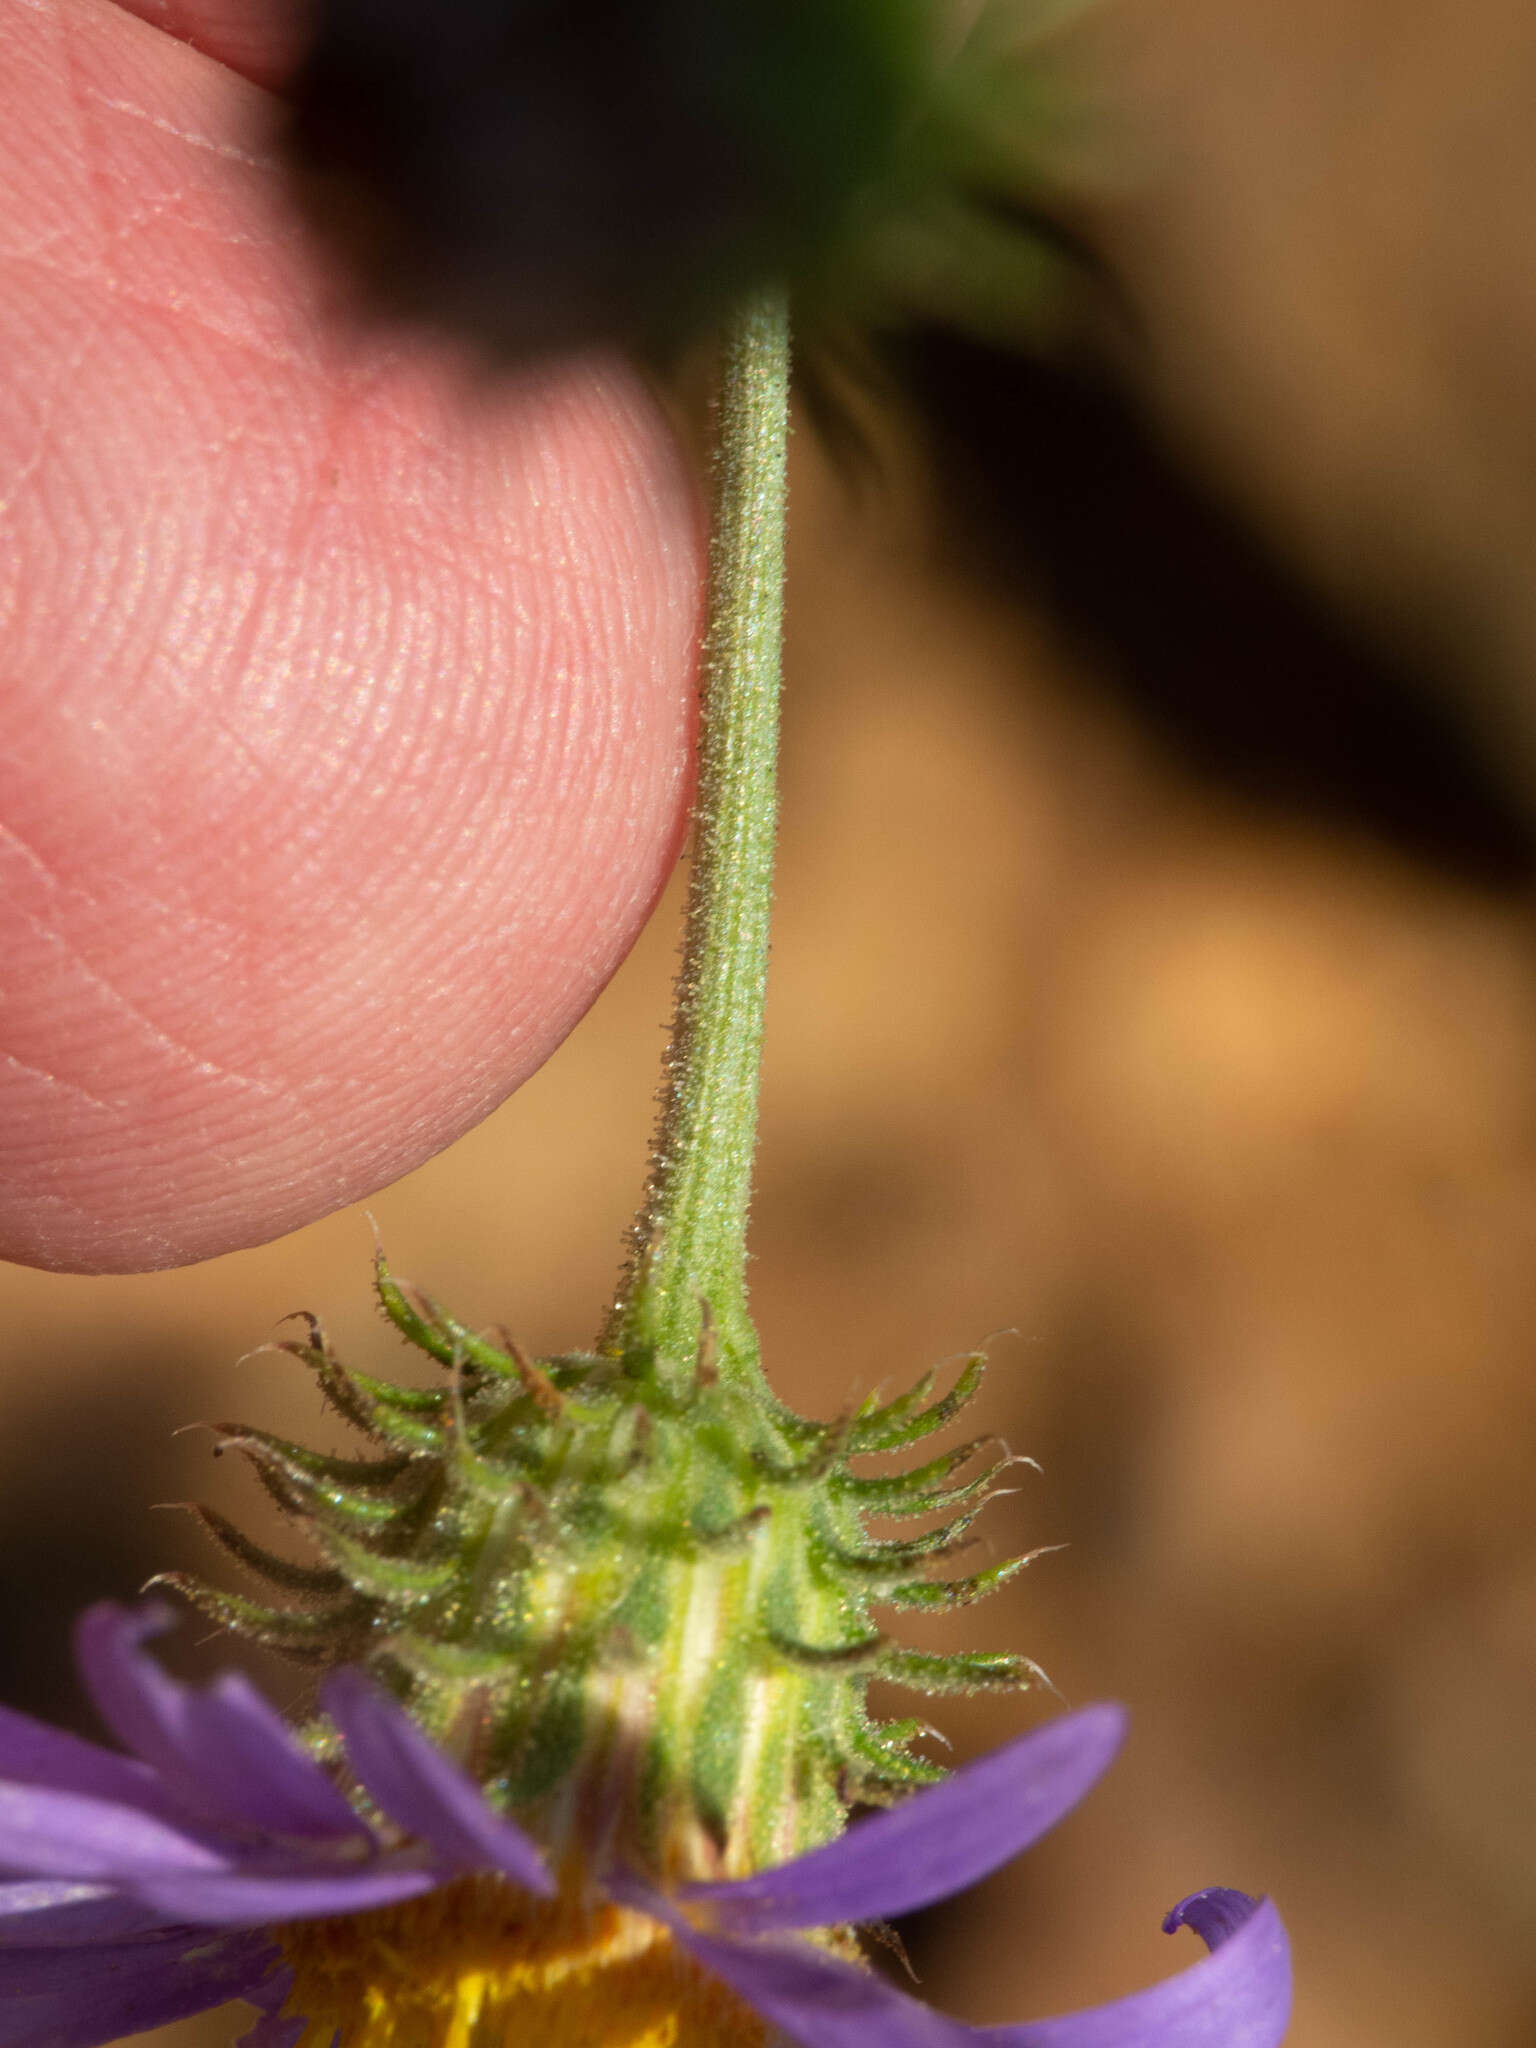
423	1790
245	1900
1239	1996
1215	1914
58	1998
936	1843
228	1754
44	1833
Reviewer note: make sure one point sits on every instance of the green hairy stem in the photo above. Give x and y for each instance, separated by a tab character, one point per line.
690	1235
629	1583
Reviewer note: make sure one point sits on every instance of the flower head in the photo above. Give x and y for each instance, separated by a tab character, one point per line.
499	171
382	1902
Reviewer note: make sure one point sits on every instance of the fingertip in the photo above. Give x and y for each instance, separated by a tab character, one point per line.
348	709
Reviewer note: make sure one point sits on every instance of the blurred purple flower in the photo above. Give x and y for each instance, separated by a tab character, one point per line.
138	1889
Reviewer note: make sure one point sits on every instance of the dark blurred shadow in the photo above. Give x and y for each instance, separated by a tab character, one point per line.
76	1521
1056	492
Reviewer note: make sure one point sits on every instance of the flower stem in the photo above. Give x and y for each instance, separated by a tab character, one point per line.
690	1234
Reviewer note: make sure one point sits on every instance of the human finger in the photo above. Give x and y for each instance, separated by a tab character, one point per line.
258	38
344	714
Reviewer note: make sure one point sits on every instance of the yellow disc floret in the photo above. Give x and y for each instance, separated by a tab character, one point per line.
480	1964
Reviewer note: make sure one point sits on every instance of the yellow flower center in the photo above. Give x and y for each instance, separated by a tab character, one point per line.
479	1964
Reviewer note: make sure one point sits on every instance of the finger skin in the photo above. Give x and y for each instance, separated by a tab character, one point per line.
258	38
345	711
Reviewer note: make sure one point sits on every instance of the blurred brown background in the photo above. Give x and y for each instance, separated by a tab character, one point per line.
1228	1112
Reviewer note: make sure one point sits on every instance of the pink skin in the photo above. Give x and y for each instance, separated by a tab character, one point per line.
345	707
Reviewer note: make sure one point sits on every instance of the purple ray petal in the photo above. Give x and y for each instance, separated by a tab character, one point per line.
243	1900
938	1842
244	1744
56	1912
108	1653
422	1790
1216	1914
275	2032
809	1995
65	1834
224	1749
1237	1997
52	1998
273	1991
31	1753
